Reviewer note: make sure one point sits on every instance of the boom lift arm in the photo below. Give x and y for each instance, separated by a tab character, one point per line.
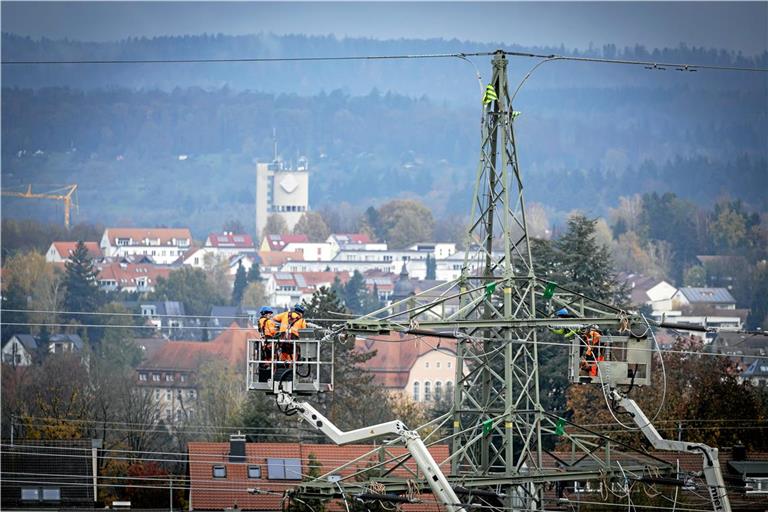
441	489
712	473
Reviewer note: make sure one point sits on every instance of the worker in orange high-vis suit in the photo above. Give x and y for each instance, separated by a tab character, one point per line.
268	330
593	352
290	323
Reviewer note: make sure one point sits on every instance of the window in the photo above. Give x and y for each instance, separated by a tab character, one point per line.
437	364
51	494
143	376
426	364
183	378
254	471
30	494
219	471
168	377
284	469
588	486
757	485
438	391
156	377
416	391
427	391
168	394
449	390
191	394
449	364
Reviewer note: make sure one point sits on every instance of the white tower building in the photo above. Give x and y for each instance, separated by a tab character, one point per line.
281	190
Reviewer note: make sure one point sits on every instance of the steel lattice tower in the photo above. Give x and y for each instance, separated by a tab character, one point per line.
494	311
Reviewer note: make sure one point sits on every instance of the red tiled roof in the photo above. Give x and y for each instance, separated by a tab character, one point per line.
209	493
239	241
125	274
65	249
165	235
396	354
229	346
278	242
277	258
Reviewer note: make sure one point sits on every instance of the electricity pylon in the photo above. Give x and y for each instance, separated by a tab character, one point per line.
495	310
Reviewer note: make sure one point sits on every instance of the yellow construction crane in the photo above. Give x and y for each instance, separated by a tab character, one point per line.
65	193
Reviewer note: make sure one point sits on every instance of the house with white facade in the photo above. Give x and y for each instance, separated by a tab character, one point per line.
438	250
660	297
60	252
162	245
19	350
284	289
130	277
229	244
359	241
280	242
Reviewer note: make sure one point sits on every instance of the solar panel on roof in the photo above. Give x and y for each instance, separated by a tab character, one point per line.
300	281
239	239
283	275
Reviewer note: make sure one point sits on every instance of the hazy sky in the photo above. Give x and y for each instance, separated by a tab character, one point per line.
732	25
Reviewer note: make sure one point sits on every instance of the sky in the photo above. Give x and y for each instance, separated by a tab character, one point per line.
738	26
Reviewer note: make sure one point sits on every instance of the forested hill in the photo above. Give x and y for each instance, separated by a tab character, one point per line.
371	130
450	78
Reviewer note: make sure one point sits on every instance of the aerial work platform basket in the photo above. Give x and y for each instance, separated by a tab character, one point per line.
300	366
614	360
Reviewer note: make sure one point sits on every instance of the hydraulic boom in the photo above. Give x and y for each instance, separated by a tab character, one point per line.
712	473
441	489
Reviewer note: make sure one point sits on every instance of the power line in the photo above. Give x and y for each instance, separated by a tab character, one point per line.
413	338
460	55
253	59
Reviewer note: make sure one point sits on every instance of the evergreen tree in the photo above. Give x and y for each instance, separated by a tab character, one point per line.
356	400
254	273
355	292
431	267
586	266
241	282
13	298
82	289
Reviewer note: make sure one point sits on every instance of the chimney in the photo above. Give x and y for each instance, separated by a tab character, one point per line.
237	448
739	452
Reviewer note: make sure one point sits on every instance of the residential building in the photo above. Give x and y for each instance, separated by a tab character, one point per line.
420	367
61	343
197	257
284	289
60	252
228	244
718	298
221	473
24	349
756	374
660	297
130	277
162	245
170	372
280	242
20	350
169	319
272	261
438	250
48	475
281	190
743	349
354	241
246	259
